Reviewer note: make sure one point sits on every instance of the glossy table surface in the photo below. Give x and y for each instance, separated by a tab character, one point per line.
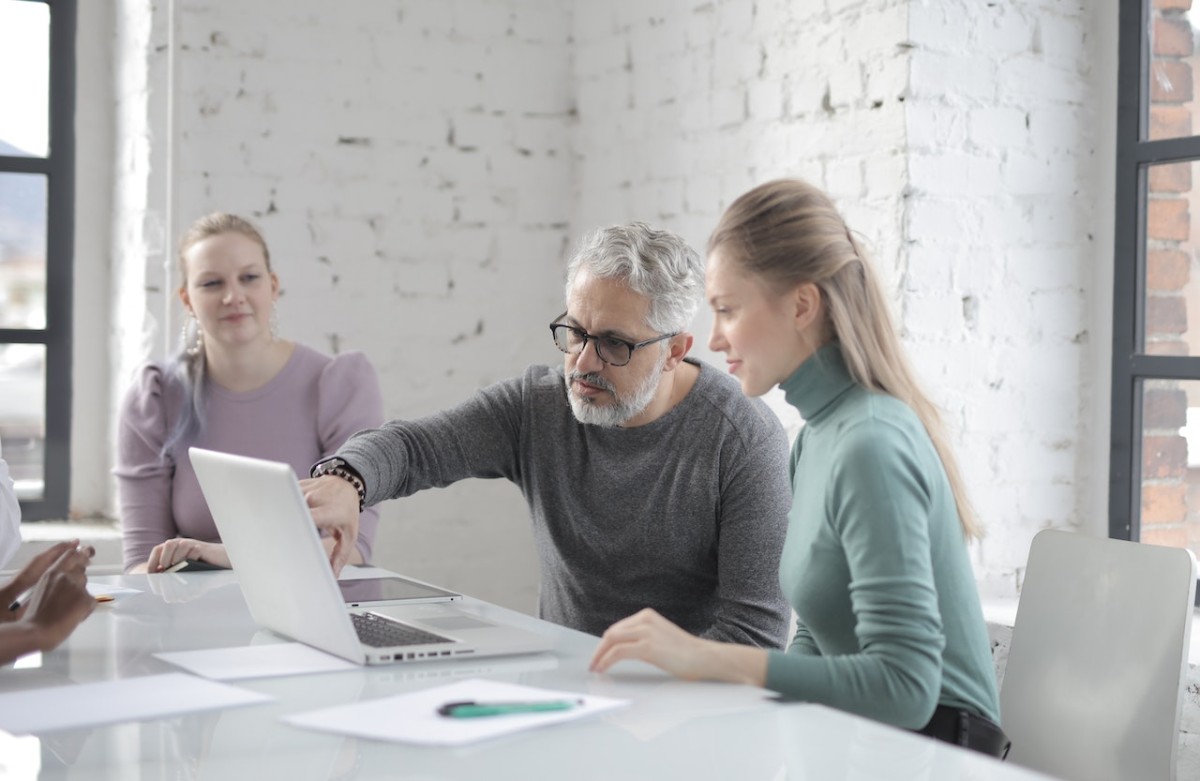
671	729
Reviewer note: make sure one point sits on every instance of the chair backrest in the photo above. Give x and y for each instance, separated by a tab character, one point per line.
1093	686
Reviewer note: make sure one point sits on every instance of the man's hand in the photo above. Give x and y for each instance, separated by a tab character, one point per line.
333	503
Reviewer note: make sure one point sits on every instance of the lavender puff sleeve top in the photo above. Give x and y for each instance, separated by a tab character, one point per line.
301	416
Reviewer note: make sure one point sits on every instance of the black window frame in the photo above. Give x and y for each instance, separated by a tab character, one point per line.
59	169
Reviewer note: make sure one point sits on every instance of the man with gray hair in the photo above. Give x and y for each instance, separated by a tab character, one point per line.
651	479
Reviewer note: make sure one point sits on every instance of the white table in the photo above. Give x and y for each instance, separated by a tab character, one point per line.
671	730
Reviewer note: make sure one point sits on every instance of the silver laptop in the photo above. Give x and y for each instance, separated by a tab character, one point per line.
285	576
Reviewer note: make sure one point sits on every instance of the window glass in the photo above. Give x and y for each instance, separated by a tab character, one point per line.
22	251
1172	282
23	416
25	86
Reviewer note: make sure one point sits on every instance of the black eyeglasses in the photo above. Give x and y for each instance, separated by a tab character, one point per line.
610	349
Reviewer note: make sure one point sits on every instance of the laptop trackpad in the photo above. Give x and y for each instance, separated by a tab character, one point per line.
451	623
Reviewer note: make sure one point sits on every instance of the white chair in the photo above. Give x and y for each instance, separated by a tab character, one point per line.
1093	686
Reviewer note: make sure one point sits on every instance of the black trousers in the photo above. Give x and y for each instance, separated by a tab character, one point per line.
963	728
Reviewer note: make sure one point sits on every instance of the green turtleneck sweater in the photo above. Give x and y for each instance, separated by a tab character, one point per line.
875	563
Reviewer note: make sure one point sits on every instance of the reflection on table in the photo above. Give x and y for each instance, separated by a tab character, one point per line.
671	729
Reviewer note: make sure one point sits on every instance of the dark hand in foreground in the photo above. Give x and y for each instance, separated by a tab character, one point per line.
28	576
60	600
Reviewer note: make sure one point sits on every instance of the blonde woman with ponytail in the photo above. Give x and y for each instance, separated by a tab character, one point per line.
875	563
235	386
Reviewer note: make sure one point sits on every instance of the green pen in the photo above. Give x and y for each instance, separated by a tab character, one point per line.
473	710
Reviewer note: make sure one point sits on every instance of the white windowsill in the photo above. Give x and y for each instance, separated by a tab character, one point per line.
103	535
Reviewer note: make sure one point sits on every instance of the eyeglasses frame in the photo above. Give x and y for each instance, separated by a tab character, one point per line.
633	346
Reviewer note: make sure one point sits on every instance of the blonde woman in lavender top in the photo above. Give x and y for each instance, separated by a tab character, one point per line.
236	387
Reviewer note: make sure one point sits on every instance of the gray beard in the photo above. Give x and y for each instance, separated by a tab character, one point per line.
622	409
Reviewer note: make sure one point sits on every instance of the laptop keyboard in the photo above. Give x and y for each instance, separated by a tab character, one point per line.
379	632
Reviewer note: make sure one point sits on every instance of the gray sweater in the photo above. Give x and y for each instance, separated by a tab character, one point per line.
686	514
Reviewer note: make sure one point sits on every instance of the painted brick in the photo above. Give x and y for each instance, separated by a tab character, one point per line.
1027	79
936	76
1062	38
594	58
846	84
738	63
1057	127
1060	313
1003	30
932	126
886	83
735	19
728	107
931	313
998	127
764	101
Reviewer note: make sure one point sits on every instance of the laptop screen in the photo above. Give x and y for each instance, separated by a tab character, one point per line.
388	590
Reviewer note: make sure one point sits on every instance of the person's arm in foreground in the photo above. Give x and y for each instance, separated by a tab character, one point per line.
648	636
881	512
478	438
58	603
349	400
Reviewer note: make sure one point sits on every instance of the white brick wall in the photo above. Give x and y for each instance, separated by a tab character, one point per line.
420	171
756	90
1002	134
409	166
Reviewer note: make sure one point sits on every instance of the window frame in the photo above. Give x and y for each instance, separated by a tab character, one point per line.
59	169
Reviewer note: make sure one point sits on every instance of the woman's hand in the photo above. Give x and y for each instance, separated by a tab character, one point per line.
60	600
648	636
333	503
29	575
169	553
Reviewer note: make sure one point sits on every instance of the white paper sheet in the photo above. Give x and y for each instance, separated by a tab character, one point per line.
413	718
257	661
35	711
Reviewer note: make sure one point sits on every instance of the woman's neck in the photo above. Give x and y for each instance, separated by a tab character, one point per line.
247	367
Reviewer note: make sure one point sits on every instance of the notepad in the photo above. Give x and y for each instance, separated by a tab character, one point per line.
413	717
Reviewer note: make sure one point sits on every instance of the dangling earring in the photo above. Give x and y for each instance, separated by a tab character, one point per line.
196	348
274	323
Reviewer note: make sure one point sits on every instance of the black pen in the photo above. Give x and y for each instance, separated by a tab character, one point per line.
20	601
